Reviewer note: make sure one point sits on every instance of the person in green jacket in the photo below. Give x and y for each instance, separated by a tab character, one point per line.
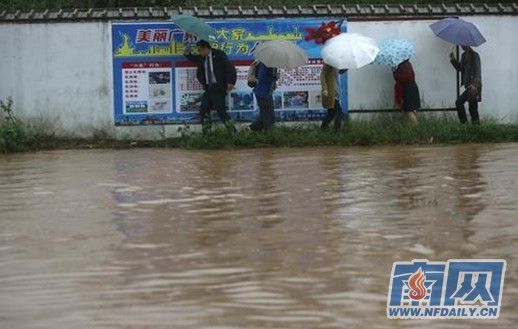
330	81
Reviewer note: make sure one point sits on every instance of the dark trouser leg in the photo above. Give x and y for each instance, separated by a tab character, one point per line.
266	117
217	97
473	112
258	123
338	116
461	111
268	114
205	113
223	114
329	116
334	114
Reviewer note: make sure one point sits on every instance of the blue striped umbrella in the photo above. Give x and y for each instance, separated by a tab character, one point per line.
394	51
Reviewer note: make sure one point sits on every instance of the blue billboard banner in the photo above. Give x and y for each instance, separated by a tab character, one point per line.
155	84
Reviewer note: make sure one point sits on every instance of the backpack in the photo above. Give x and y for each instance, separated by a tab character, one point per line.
252	75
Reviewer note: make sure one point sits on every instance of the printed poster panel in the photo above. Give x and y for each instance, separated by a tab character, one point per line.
146	87
155	84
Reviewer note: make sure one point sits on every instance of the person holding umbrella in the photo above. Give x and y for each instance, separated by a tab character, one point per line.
330	82
340	52
471	78
270	56
406	91
460	32
218	76
329	75
215	72
396	53
263	81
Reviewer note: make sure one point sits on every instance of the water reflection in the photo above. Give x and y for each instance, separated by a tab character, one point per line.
282	238
469	182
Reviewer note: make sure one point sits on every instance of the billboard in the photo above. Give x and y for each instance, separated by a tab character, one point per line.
155	84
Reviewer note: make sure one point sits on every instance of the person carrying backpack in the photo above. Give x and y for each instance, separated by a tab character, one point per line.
263	79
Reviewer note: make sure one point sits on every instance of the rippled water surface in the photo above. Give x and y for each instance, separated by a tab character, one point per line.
268	238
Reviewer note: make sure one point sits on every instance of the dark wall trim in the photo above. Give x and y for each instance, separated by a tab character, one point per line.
353	12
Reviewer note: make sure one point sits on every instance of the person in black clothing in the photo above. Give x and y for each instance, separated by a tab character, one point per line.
469	66
218	76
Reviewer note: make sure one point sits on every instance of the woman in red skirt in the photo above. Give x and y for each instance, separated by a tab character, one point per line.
406	91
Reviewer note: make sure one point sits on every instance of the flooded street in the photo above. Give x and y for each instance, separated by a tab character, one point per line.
267	238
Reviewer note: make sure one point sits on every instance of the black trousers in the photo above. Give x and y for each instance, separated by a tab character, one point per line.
266	117
335	114
461	111
213	99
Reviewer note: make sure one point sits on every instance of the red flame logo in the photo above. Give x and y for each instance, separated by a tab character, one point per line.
416	284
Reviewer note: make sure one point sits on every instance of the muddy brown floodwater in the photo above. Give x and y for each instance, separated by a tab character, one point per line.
267	238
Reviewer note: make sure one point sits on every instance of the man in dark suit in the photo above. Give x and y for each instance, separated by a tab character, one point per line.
218	76
469	66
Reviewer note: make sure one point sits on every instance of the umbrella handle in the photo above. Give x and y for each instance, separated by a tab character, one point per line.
453	51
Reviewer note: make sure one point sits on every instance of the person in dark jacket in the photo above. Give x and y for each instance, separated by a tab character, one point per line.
406	91
218	76
264	85
470	69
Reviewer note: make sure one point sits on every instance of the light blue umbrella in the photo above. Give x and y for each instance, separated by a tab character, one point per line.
194	25
394	51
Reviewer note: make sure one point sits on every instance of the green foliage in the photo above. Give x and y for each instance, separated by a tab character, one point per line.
383	130
13	133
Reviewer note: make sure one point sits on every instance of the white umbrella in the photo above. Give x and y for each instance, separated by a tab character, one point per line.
281	54
349	51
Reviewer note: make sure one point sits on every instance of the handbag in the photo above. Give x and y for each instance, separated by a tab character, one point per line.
472	94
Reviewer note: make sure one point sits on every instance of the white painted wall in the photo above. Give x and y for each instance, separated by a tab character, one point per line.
500	71
71	88
60	73
372	87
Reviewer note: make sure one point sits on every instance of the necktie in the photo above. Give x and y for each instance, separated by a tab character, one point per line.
209	71
206	70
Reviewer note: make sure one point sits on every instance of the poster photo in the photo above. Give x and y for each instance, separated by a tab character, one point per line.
190	101
242	100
